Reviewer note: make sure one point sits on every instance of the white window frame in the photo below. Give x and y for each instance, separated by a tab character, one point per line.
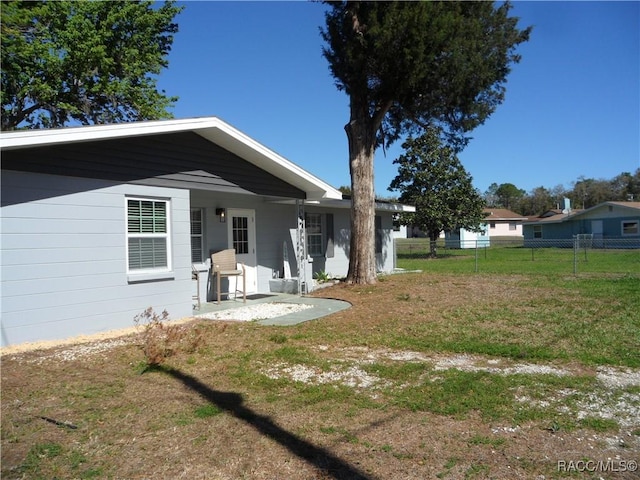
195	236
629	222
143	274
537	231
320	234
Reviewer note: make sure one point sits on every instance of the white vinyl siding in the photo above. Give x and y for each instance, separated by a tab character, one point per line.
148	235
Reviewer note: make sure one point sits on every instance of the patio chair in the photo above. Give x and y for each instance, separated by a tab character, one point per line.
224	265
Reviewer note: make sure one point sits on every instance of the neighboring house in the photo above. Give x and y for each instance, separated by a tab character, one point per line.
608	225
99	223
500	222
504	223
464	238
399	231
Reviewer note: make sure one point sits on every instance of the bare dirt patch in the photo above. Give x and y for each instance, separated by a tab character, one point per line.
305	402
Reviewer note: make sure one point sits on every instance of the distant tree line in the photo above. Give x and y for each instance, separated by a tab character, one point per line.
585	193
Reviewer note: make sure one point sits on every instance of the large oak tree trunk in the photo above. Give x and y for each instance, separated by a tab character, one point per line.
362	259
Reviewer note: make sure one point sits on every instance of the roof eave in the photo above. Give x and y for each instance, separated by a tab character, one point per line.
210	128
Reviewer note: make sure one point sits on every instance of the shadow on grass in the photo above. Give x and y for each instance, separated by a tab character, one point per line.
231	403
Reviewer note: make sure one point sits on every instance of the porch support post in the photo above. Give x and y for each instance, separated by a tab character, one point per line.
301	246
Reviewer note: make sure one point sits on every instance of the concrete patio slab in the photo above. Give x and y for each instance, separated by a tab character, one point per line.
321	307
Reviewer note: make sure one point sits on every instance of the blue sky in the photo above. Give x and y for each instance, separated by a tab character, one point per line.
572	106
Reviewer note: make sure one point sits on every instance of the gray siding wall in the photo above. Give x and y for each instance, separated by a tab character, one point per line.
386	259
63	259
338	265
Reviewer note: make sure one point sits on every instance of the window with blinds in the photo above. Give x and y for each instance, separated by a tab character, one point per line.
196	235
147	234
313	225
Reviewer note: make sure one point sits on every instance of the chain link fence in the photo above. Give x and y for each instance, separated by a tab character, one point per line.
580	254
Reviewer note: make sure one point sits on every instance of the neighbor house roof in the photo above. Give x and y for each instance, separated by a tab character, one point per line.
497	214
211	128
562	217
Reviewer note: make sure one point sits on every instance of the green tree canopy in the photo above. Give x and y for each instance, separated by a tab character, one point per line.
407	66
490	196
509	195
431	177
539	200
86	62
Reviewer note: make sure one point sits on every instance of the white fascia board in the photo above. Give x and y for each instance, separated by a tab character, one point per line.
35	138
379	206
254	152
210	128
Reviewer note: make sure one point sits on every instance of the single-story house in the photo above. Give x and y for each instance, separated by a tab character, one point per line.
607	225
463	238
101	222
500	222
504	223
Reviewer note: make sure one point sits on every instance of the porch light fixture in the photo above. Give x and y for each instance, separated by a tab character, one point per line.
221	212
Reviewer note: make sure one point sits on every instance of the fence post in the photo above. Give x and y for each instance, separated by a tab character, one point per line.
575	255
476	256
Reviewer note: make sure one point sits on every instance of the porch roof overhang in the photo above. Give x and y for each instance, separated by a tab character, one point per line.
346	204
212	129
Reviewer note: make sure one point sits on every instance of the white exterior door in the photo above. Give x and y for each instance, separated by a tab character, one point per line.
242	237
596	230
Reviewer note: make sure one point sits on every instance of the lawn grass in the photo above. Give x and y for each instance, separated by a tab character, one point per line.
513	258
359	394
